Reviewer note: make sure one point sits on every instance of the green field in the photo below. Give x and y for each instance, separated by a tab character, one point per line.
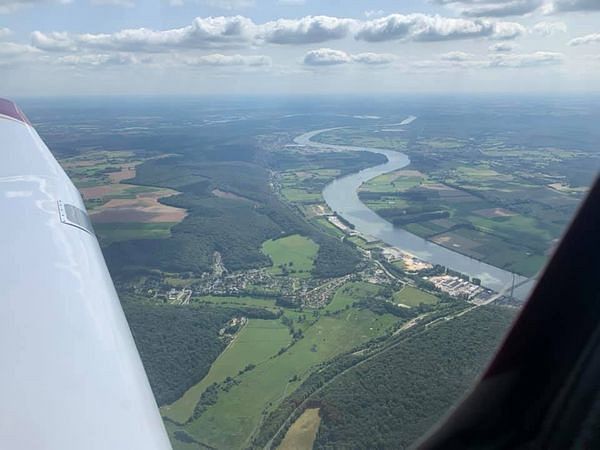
231	421
256	342
292	254
301	196
237	301
350	293
411	296
361	137
116	232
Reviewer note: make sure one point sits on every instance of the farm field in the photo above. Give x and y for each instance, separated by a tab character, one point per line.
121	211
112	232
465	222
292	254
503	200
302	434
411	296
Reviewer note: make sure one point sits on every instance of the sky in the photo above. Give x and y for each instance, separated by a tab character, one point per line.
194	47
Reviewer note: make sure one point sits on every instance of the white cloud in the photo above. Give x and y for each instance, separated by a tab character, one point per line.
4	32
496	61
526	60
331	57
395	26
374	59
326	57
549	28
502	47
220	60
574	5
211	32
507	30
239	31
55	41
587	39
95	60
493	8
456	56
12	54
11	49
291	2
421	27
308	30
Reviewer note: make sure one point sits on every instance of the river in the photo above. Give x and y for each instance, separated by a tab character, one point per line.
342	196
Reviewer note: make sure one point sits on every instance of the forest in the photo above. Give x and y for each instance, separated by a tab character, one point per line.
391	400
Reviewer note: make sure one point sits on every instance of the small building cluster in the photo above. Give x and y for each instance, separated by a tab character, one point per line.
455	286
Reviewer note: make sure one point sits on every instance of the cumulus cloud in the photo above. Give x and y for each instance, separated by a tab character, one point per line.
374	59
11	49
492	62
308	30
95	60
395	26
502	47
12	54
493	8
421	27
526	60
4	32
331	57
326	57
55	41
587	39
219	60
507	30
549	28
456	56
238	31
575	5
211	32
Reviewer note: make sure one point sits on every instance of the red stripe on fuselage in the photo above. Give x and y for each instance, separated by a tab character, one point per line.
9	109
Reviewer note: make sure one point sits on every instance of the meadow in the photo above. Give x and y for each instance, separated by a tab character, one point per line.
294	255
237	413
254	344
411	296
350	293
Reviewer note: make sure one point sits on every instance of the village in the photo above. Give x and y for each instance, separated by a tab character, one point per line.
317	293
